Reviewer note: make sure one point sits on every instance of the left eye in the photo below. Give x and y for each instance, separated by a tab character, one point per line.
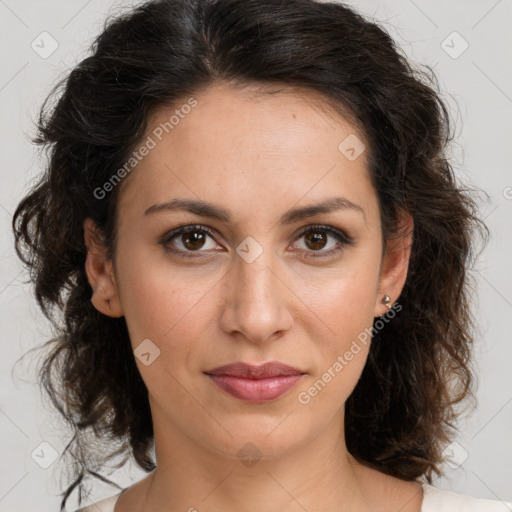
316	240
191	239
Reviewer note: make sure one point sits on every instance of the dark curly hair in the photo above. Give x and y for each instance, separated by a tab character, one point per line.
402	410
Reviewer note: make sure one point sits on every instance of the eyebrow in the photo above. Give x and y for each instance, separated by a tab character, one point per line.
205	209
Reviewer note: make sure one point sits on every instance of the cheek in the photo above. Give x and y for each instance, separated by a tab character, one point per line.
340	310
171	311
341	343
163	303
344	298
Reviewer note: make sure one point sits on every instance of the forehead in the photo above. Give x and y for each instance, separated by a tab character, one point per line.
236	144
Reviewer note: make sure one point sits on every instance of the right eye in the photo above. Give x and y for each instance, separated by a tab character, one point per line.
189	239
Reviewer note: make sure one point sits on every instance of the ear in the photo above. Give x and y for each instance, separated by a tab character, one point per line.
100	274
395	264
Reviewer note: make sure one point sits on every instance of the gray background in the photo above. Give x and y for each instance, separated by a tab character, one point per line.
477	86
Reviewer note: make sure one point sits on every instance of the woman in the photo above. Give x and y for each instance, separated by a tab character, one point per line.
261	254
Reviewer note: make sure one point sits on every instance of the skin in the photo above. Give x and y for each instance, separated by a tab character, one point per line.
257	156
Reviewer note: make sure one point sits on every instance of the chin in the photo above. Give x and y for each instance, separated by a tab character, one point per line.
255	441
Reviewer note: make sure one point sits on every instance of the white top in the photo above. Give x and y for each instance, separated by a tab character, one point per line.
434	500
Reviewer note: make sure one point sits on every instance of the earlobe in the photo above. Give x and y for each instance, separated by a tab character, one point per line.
98	268
395	265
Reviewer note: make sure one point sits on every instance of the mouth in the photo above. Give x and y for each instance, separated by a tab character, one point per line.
256	383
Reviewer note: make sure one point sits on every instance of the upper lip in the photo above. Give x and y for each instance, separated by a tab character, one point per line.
250	371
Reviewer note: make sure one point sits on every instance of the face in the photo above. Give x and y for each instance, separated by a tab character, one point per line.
265	285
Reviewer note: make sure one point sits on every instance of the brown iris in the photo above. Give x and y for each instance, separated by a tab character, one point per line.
315	239
193	240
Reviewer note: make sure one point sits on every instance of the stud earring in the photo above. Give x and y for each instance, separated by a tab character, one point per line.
107	300
386	300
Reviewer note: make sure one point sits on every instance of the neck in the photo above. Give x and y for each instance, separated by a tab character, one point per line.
318	475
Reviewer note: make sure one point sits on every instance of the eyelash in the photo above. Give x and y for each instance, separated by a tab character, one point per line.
343	239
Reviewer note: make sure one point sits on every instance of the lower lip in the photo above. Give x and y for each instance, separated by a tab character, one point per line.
256	390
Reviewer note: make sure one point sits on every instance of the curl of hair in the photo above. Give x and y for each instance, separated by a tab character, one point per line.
402	411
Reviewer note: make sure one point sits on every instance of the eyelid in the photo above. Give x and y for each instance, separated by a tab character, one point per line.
343	240
325	227
342	237
180	230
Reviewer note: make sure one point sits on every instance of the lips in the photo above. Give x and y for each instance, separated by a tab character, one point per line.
256	383
249	371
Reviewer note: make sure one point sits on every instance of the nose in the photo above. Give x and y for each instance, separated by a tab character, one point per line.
257	299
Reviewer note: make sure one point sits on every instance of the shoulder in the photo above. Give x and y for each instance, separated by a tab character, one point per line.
106	505
440	500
